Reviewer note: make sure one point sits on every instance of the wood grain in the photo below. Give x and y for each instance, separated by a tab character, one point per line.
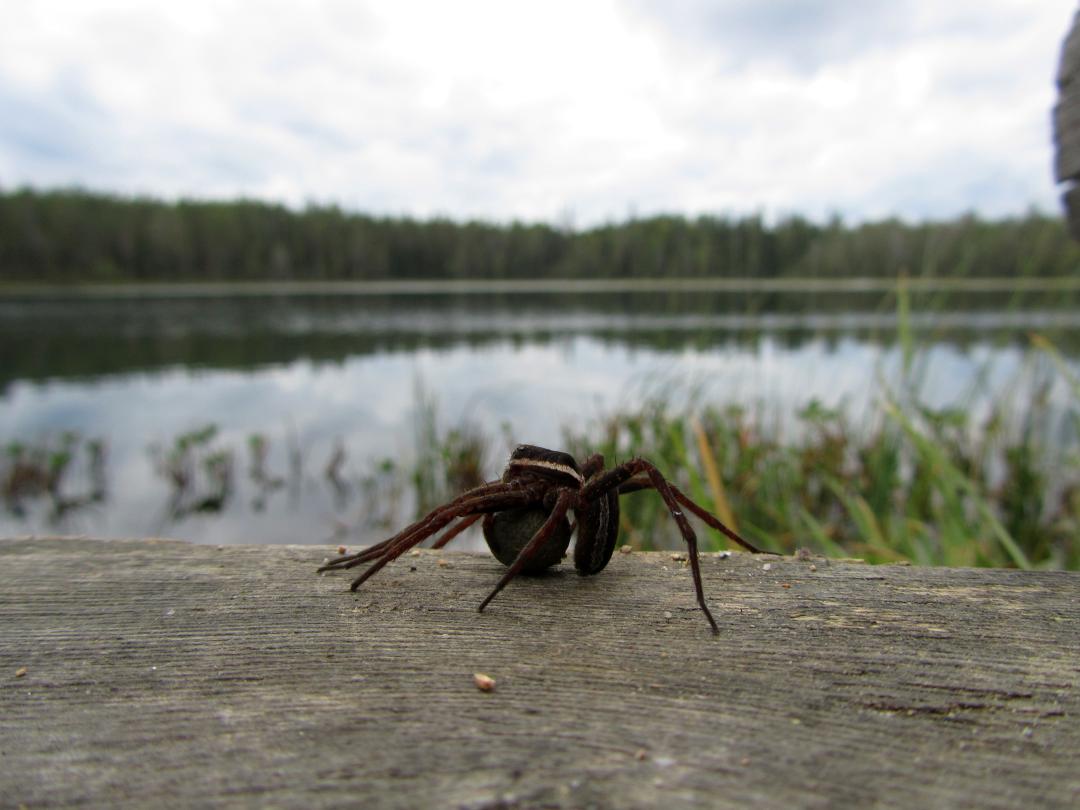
163	673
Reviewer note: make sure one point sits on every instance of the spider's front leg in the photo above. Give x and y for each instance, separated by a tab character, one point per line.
507	533
536	545
610	481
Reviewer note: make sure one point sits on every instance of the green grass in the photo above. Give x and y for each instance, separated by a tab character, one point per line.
962	486
909	487
903	482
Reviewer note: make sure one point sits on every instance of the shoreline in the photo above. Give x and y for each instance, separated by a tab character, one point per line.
407	287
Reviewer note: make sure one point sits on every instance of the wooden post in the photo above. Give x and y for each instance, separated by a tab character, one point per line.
1067	126
159	673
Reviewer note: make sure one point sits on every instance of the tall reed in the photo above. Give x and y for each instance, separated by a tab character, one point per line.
933	486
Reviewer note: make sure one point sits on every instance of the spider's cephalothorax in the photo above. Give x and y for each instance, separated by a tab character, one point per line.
526	523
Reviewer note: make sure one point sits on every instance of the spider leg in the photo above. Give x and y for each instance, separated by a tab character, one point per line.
400	547
634	485
616	477
713	521
369	553
377	550
438	519
638	484
593	465
558	512
457	529
483	499
357	557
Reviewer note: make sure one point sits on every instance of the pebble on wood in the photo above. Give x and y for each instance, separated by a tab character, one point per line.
485	683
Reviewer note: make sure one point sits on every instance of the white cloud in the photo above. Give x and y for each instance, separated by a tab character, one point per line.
506	110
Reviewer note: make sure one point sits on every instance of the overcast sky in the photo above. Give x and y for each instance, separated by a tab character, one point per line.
571	112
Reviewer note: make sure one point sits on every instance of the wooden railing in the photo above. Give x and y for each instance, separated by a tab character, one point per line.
159	673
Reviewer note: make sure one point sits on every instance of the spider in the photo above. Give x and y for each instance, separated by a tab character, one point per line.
525	517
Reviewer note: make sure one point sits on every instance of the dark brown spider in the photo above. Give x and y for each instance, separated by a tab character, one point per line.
525	517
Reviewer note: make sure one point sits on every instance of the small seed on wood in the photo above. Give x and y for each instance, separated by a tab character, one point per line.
341	549
20	672
625	549
443	564
485	683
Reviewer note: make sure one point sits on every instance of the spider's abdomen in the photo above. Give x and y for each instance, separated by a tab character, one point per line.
508	532
598	529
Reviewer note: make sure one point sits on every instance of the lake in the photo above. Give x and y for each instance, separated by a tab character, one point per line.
345	379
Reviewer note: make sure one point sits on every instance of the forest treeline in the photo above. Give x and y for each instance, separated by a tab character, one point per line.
78	236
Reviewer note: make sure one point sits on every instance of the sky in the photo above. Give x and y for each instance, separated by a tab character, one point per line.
573	113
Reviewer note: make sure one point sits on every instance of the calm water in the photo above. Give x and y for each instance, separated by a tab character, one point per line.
311	375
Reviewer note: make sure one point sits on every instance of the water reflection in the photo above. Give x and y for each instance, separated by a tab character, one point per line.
314	402
88	338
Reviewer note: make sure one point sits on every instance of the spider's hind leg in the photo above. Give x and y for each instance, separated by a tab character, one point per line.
618	477
377	550
483	499
707	517
714	522
456	529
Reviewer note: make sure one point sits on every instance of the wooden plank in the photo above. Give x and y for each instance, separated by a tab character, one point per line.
1066	120
1069	63
158	673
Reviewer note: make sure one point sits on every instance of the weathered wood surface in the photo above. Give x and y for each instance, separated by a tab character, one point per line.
1067	125
159	673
